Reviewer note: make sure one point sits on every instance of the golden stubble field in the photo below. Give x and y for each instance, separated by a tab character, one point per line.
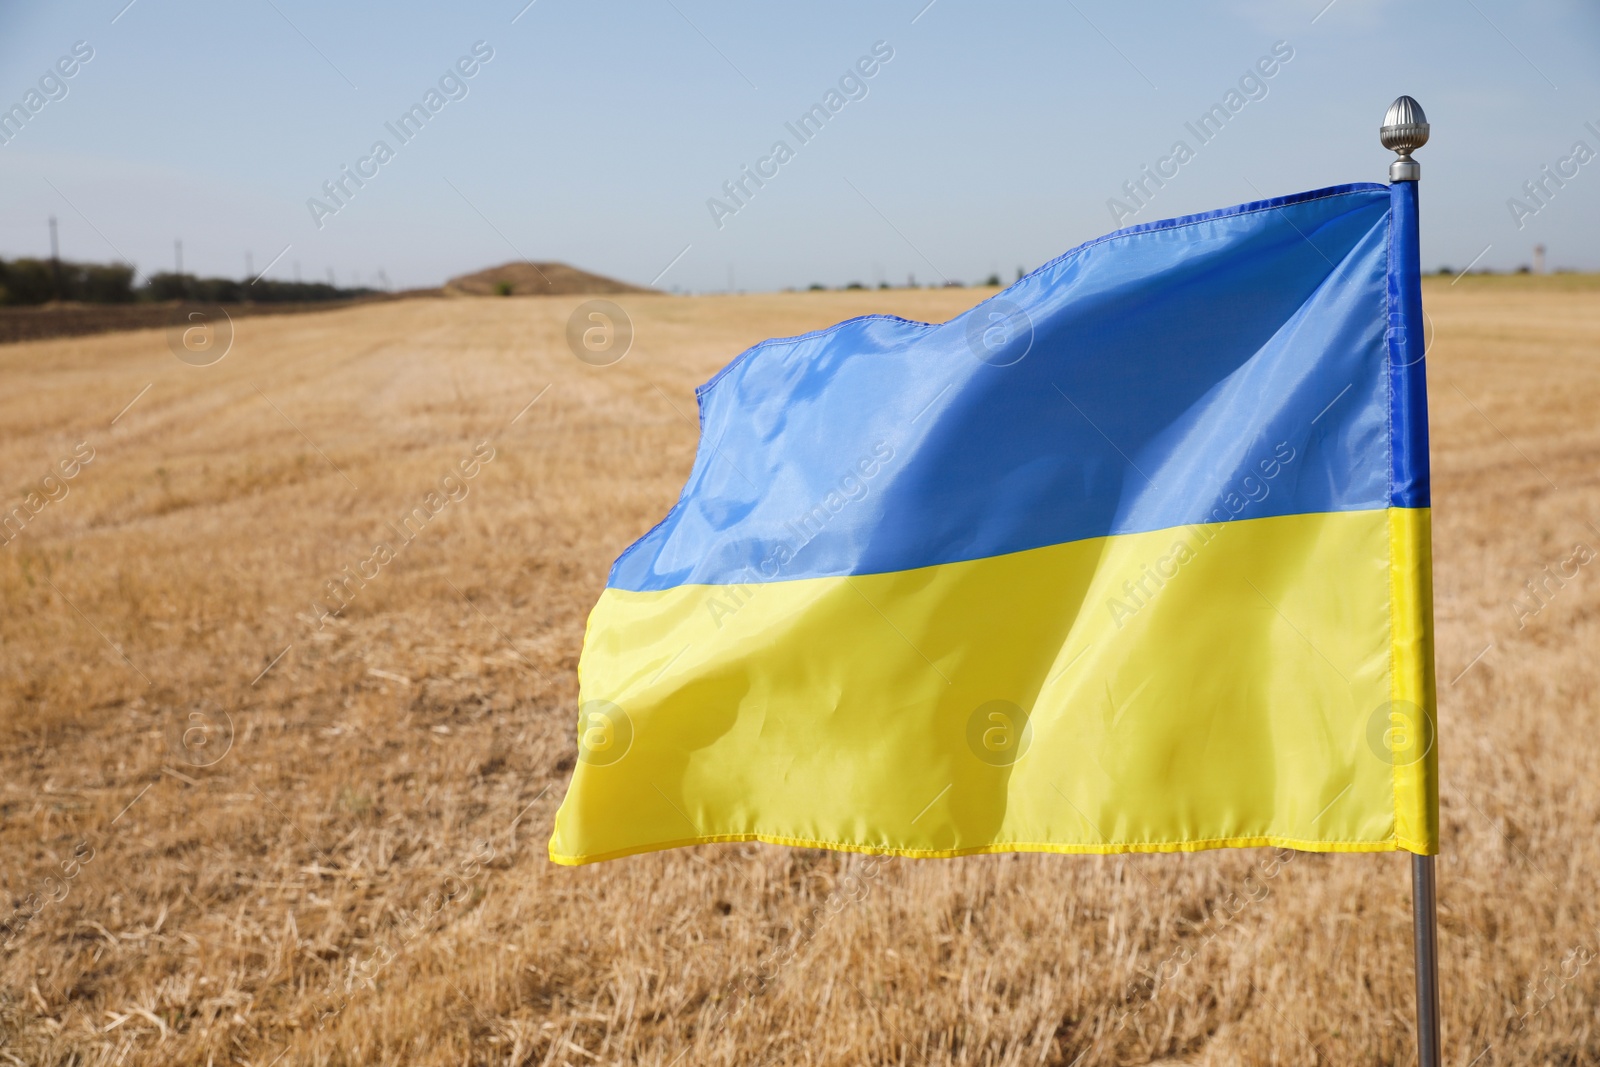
359	876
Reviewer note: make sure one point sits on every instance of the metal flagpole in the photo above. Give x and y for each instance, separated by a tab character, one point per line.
1405	129
1425	935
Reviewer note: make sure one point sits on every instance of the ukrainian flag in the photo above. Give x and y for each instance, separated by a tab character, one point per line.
1132	557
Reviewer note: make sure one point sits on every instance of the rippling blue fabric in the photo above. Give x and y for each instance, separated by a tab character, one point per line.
1231	365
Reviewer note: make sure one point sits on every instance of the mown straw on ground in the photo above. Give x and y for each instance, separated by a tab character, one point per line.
360	877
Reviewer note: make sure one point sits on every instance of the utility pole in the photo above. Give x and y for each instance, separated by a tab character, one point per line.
177	256
249	267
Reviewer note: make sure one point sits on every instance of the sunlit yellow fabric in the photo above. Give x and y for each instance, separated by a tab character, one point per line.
1256	682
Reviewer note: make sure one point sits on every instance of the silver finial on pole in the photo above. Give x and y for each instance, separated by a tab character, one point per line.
1405	129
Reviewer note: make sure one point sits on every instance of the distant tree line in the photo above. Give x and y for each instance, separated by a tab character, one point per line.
38	281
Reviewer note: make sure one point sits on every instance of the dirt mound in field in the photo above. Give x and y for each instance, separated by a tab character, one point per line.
525	278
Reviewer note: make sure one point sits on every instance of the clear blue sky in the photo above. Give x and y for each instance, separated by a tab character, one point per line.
597	133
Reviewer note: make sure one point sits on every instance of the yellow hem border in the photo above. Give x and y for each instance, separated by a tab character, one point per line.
1395	844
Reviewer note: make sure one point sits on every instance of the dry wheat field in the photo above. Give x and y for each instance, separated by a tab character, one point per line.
236	828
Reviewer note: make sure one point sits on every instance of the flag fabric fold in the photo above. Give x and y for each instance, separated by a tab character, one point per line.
1133	556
